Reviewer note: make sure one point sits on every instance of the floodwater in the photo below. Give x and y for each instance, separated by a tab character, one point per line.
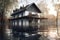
51	34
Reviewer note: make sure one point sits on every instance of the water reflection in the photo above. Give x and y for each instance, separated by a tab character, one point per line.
51	34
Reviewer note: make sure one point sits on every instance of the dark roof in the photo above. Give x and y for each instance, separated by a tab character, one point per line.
18	12
31	7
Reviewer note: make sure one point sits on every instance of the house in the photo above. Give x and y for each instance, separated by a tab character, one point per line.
26	16
25	20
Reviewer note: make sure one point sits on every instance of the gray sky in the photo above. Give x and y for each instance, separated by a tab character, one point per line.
49	4
25	2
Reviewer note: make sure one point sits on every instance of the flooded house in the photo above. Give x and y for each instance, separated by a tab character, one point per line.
25	22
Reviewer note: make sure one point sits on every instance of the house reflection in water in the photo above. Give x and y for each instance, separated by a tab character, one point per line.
25	23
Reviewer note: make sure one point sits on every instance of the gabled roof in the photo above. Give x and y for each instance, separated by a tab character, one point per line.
31	7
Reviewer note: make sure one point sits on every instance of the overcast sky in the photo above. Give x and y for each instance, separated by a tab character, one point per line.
49	3
26	2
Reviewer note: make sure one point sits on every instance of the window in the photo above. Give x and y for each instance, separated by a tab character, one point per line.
33	23
39	22
25	23
26	13
15	23
19	15
33	13
19	22
16	16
